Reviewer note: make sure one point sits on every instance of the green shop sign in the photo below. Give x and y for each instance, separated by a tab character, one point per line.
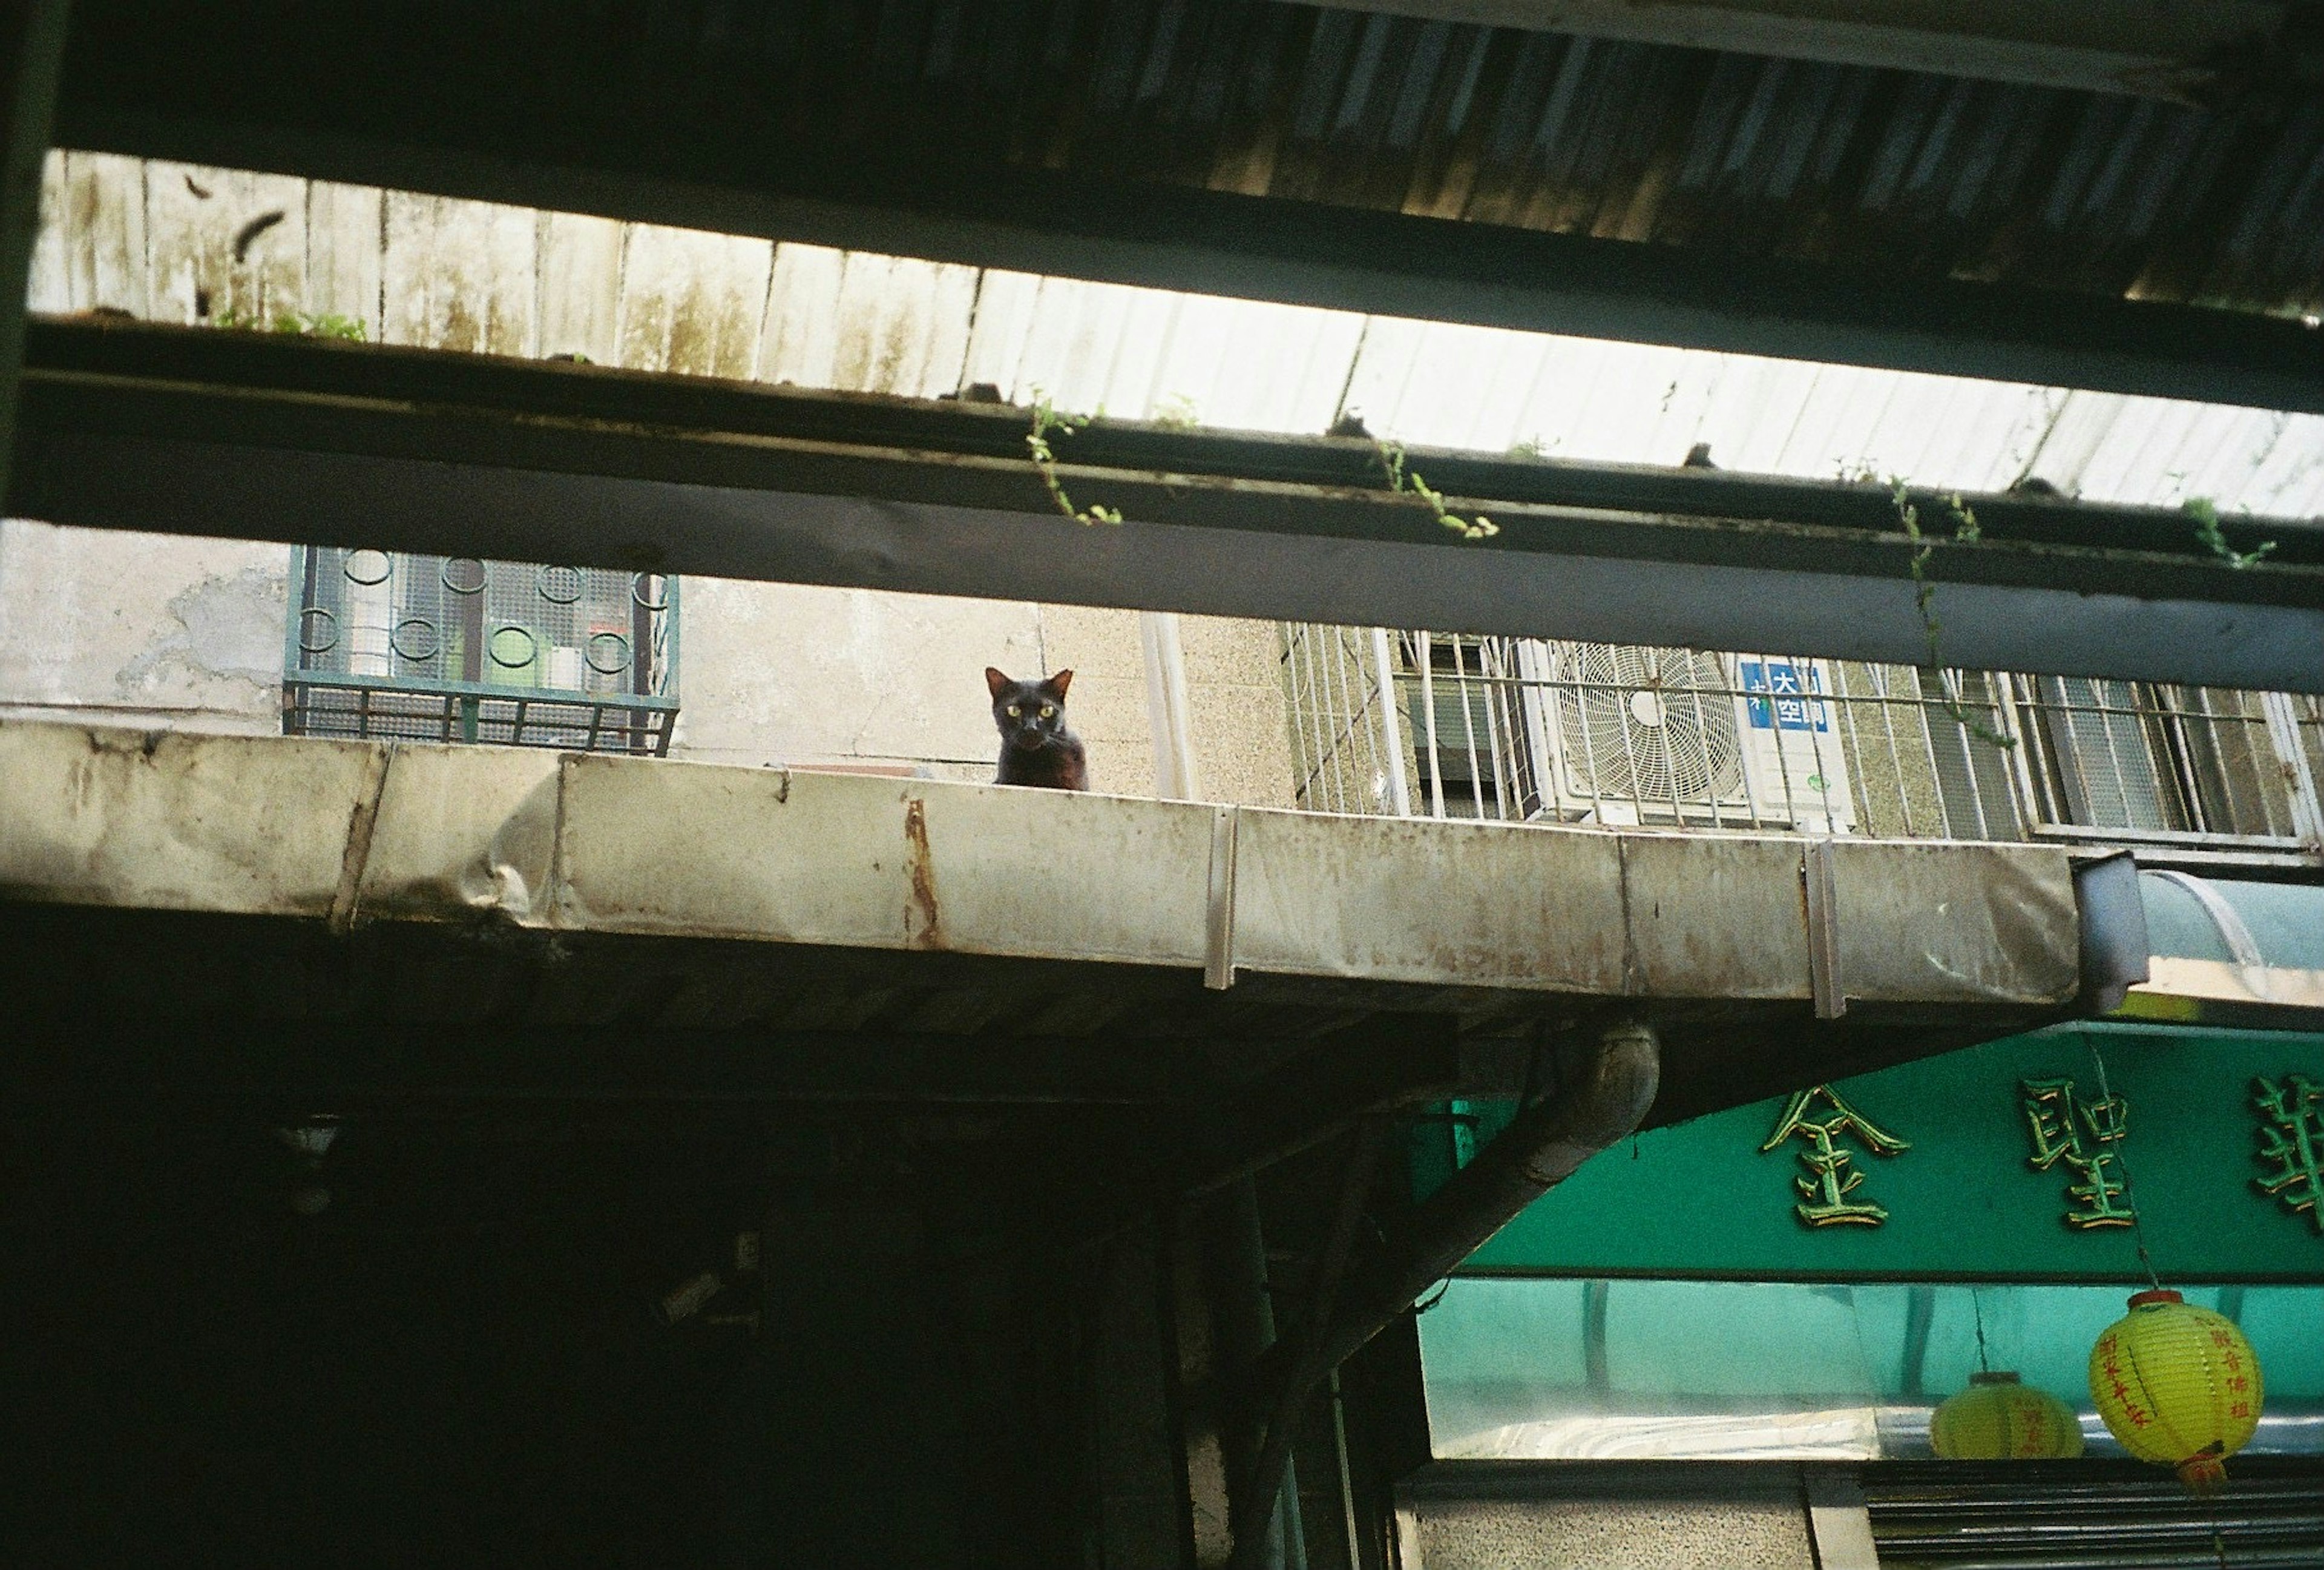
2044	1158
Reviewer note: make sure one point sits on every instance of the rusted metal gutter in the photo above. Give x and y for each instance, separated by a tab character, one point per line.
195	432
1546	1144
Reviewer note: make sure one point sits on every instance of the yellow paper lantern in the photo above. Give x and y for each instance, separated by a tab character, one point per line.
2178	1385
1998	1419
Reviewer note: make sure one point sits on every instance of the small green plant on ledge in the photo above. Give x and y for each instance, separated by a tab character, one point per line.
1177	412
1924	595
1046	421
2207	531
1401	478
326	325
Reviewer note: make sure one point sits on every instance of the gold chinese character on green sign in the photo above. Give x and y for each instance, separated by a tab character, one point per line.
2293	1139
2077	1130
1823	1193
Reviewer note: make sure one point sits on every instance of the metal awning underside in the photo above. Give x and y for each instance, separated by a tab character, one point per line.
2225	951
1501	175
429	917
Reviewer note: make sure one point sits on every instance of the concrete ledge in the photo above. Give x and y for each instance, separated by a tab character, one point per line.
354	833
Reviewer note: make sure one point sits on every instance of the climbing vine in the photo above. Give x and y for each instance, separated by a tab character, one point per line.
1047	421
2207	531
1924	597
1405	479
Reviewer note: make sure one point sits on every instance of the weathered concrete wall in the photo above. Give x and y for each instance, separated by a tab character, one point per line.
1107	704
187	634
1234	684
141	629
778	673
1233	690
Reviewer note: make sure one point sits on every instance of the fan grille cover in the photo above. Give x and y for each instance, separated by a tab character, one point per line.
1648	724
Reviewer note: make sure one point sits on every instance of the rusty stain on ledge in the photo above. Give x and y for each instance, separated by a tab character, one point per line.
923	919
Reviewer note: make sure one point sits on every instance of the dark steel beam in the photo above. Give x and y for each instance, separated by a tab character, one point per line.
31	51
405	450
447	115
362	1062
201	383
416	450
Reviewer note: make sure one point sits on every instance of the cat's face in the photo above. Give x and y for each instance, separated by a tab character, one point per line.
1030	714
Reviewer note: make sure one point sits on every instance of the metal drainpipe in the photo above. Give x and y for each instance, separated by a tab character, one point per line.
1167	718
1399	784
1539	1149
1244	1323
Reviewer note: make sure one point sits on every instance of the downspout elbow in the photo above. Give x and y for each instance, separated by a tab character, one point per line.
1539	1149
1612	1102
1542	1147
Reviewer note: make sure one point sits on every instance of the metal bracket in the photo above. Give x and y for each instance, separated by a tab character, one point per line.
1218	944
1823	931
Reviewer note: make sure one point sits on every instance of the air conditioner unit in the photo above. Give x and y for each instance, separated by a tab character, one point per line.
1624	734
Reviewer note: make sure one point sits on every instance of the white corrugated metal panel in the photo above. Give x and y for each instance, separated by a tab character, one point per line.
300	827
458	826
872	863
178	822
1400	900
160	240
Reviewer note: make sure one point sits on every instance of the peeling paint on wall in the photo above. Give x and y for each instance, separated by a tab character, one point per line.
226	626
140	629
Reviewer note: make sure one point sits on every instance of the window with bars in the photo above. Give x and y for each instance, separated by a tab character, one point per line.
2144	761
455	648
1521	729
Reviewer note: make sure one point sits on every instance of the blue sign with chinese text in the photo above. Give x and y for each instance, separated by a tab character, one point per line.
1786	706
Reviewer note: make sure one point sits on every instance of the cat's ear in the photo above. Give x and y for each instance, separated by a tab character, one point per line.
1059	682
994	680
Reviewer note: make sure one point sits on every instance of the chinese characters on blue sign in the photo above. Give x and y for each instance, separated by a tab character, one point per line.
1824	1192
2292	1139
2076	1130
2067	1128
1785	706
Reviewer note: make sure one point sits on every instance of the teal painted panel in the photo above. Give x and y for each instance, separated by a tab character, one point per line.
1964	1201
1581	1368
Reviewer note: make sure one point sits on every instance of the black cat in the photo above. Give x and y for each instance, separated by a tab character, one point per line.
1036	748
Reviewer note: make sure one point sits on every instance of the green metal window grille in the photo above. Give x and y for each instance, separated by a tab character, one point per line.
454	649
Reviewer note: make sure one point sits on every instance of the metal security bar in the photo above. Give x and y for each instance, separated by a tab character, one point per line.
1524	730
1955	1515
454	649
1343	749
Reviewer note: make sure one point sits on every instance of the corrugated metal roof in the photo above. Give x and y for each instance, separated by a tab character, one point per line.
1631	141
444	272
1906	172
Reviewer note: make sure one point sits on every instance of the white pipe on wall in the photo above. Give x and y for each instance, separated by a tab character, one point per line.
1174	776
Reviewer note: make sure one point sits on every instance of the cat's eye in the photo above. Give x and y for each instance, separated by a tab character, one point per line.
1049	710
1016	711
